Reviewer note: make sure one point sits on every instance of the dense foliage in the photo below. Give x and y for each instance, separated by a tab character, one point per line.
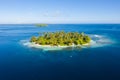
41	25
61	38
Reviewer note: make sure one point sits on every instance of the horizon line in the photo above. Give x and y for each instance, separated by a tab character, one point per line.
55	23
50	23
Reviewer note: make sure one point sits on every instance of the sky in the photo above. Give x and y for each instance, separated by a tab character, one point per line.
59	11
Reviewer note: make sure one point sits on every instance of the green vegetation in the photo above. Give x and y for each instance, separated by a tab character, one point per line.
41	25
61	38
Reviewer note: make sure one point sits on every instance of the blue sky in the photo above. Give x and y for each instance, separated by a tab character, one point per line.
59	11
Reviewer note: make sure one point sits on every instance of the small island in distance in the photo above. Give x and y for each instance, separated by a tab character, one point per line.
61	39
41	25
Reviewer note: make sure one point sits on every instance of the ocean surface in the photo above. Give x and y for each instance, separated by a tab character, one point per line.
100	61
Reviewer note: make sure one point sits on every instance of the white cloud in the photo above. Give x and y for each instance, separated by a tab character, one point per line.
56	13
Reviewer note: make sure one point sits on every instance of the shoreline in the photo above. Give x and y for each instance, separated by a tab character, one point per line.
32	44
94	43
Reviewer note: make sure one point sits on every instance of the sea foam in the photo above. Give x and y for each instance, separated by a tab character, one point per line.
97	41
100	41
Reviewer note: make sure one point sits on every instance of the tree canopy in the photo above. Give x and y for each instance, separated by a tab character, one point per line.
41	25
61	38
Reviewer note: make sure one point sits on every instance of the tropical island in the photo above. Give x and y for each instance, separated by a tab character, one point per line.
61	39
41	25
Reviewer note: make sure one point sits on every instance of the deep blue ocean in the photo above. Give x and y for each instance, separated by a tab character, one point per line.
101	61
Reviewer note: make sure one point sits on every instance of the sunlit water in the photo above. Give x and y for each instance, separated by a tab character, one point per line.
101	60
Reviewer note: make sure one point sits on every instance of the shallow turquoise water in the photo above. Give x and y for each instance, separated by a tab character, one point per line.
19	62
